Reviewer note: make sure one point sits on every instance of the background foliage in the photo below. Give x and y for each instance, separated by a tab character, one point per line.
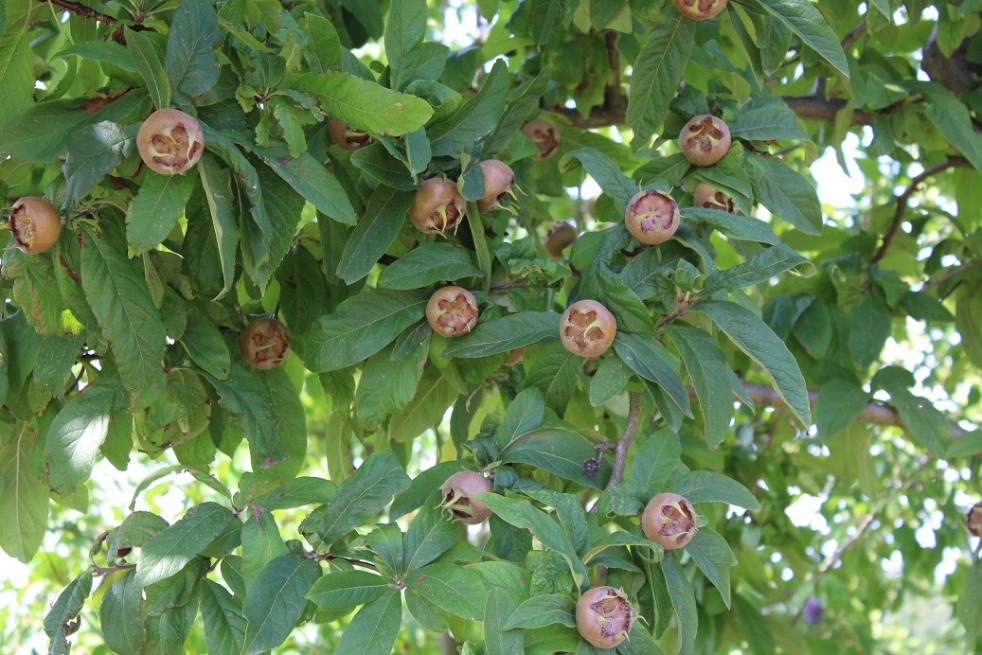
807	375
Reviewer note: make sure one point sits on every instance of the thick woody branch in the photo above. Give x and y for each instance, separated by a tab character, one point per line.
83	11
624	443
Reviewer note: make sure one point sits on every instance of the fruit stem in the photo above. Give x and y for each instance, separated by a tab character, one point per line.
624	443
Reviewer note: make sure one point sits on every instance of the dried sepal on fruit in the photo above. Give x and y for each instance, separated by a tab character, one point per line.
437	206
457	499
700	9
264	343
34	224
170	141
587	328
604	616
545	136
652	217
560	237
498	180
709	197
669	520
345	136
452	311
704	140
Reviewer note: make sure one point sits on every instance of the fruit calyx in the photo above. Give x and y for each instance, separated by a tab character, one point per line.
587	328
170	141
345	136
545	137
34	224
437	207
707	196
457	500
652	217
669	520
452	311
604	616
704	140
700	9
264	343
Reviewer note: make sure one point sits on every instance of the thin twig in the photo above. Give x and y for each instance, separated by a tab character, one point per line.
947	274
624	443
330	557
106	570
83	11
904	198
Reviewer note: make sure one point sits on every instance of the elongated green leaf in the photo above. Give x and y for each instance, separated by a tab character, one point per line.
340	593
754	337
607	174
64	612
275	601
558	451
766	118
224	623
120	615
540	611
176	545
428	264
787	194
189	59
404	32
148	62
455	589
120	299
283	206
374	629
712	487
650	360
93	151
657	72
518	111
361	327
375	232
380	165
316	184
655	460
838	404
524	414
154	211
709	371
758	269
430	535
205	346
475	118
714	558
741	228
498	641
366	105
506	333
217	183
434	395
23	498
804	19
387	387
683	602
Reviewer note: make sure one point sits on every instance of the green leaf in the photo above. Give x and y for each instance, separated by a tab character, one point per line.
756	339
65	611
540	611
37	295
545	16
269	410
387	386
767	118
379	165
838	404
121	617
558	451
952	118
375	232
785	193
318	186
190	60
714	558
555	372
119	297
760	268
651	360
282	209
366	105
499	608
968	320
205	346
524	414
360	327
608	175
814	329
428	264
261	543
171	549
870	324
430	535
217	183
422	486
712	487
657	73
360	497
517	112
375	627
23	498
475	118
275	601
923	420
733	226
148	62
404	32
969	607
326	44
708	369
610	380
154	211
77	432
967	446
93	151
506	333
455	589
433	395
655	461
683	602
339	593
224	623
804	19
17	67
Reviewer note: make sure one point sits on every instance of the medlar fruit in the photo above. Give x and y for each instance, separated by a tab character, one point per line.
170	141
700	9
974	519
704	140
709	197
34	224
545	137
812	611
437	207
456	497
669	520
560	237
604	616
452	311
498	178
344	136
587	328
264	343
652	217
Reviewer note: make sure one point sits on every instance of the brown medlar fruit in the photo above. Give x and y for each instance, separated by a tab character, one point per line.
456	497
170	141
498	178
707	196
560	237
34	224
545	137
344	136
604	616
652	217
452	311
264	343
669	520
700	9
587	328
704	140
974	519
437	207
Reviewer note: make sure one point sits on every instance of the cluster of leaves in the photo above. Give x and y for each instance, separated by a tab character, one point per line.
123	337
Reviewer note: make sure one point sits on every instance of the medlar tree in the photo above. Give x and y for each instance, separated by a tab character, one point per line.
516	324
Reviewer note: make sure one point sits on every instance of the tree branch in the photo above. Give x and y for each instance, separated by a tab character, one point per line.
624	443
904	198
83	11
